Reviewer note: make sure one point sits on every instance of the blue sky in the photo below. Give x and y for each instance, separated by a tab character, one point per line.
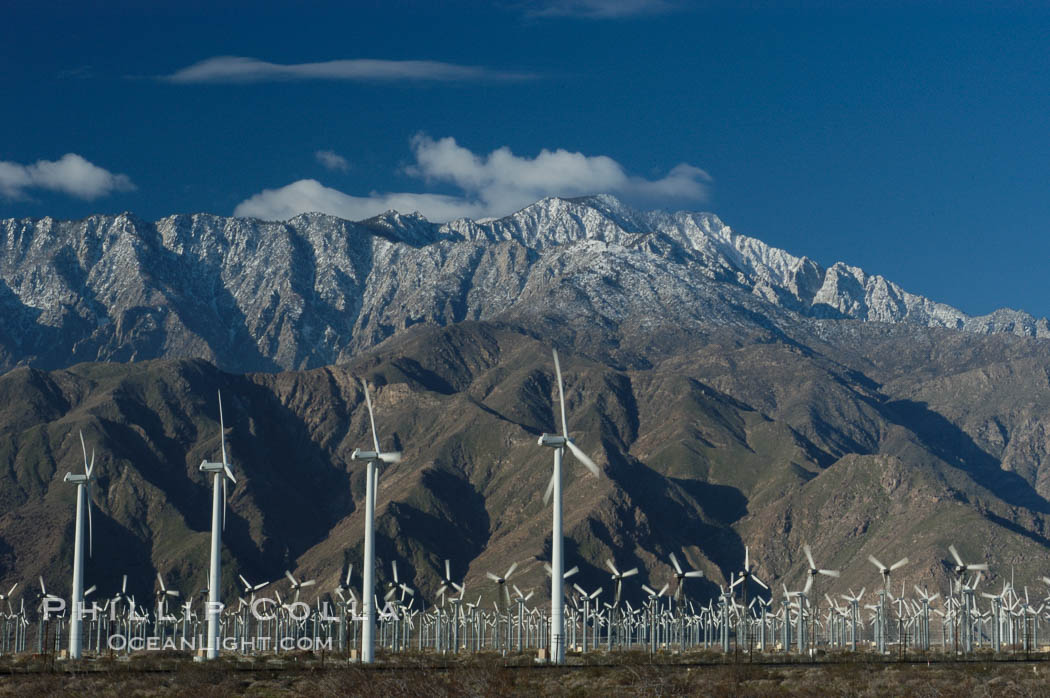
910	139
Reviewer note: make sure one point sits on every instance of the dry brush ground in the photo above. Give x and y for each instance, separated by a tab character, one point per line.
492	678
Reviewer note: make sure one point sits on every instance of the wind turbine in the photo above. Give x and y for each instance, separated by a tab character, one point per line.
368	619
680	577
614	610
618	577
559	443
162	593
962	568
447	581
747	575
814	571
297	585
221	472
885	571
83	483
502	583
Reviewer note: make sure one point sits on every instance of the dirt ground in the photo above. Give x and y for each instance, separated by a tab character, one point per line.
493	678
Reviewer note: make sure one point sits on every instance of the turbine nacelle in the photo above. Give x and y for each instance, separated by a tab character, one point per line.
373	456
76	479
209	467
553	441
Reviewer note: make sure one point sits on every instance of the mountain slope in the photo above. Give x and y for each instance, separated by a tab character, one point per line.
749	442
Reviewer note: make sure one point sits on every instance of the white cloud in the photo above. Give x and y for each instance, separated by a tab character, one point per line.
495	184
332	160
237	69
71	174
309	195
598	9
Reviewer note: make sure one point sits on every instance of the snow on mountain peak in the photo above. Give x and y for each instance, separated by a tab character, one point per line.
313	290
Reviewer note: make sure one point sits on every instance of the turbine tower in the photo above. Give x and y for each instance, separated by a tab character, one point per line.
368	615
83	483
221	472
559	443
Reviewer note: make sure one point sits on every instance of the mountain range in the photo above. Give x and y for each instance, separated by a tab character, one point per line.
733	394
249	295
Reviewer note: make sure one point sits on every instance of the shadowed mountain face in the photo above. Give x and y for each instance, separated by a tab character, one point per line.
858	438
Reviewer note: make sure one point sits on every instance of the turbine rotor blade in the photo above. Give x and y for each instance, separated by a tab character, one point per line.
91	528
549	492
582	457
371	416
809	556
561	396
674	561
899	563
84	449
222	430
611	566
955	554
878	564
631	572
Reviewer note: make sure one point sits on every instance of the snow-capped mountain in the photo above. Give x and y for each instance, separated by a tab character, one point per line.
314	290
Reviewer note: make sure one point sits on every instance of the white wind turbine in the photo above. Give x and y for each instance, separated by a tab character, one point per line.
618	577
502	583
221	472
680	576
559	443
813	570
368	572
886	571
83	483
298	585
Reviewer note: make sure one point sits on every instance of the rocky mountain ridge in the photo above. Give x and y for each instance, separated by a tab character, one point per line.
315	290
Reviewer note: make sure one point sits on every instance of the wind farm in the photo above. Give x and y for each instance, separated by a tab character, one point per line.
957	615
